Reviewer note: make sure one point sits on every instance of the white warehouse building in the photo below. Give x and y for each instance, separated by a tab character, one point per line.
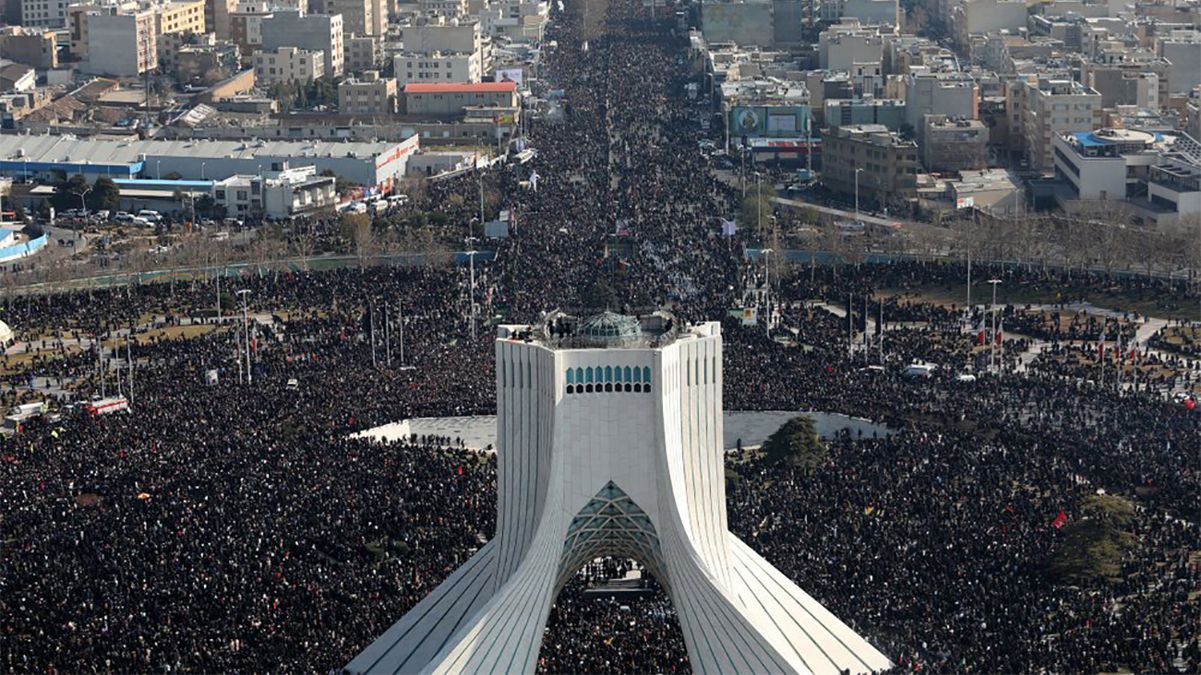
609	443
375	164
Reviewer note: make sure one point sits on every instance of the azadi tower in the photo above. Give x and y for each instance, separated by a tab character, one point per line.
609	442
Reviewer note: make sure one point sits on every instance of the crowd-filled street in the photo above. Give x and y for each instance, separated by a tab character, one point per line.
225	526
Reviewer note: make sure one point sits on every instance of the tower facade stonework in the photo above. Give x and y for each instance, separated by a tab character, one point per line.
609	442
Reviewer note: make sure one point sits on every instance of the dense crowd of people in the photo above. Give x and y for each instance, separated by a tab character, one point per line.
230	526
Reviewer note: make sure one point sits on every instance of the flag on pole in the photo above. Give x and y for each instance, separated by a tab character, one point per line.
980	332
1000	332
1059	520
728	228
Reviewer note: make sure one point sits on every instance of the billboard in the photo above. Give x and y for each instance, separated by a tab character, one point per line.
770	121
510	75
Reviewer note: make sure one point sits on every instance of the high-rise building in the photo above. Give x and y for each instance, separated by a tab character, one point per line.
609	443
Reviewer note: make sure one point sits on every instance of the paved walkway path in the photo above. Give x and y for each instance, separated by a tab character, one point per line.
750	428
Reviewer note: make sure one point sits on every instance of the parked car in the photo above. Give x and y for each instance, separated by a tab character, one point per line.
150	216
123	217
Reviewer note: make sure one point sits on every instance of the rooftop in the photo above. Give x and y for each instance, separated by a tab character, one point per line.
68	149
602	330
462	88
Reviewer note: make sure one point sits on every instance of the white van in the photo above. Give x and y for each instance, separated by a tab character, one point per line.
150	216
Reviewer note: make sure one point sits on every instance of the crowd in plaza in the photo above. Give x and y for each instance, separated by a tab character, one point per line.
225	526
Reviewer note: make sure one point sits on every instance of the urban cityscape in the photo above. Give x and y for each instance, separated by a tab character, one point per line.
600	336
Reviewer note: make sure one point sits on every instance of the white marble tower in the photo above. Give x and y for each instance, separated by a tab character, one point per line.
609	441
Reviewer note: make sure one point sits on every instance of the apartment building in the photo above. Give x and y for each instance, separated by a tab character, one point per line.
179	17
369	95
359	17
31	46
886	163
43	13
437	67
954	144
444	101
1050	107
288	64
121	45
363	52
953	94
316	32
842	45
77	26
217	15
444	36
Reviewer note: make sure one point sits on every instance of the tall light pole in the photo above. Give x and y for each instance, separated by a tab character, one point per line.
992	354
471	289
767	287
84	208
202	165
857	171
246	332
759	205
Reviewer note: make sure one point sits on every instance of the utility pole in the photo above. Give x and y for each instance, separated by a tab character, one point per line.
993	348
246	332
219	294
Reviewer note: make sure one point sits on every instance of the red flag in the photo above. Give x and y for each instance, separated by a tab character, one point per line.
460	469
1101	350
1059	520
1000	331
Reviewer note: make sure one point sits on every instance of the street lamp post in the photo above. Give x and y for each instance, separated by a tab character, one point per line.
83	206
471	289
857	171
158	169
767	288
759	205
246	332
202	165
992	353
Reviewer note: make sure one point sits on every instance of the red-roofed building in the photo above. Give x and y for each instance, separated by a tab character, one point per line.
451	99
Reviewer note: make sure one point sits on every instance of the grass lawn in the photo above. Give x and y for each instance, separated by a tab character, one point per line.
17	362
168	333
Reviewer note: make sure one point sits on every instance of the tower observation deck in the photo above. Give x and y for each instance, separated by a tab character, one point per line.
609	443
